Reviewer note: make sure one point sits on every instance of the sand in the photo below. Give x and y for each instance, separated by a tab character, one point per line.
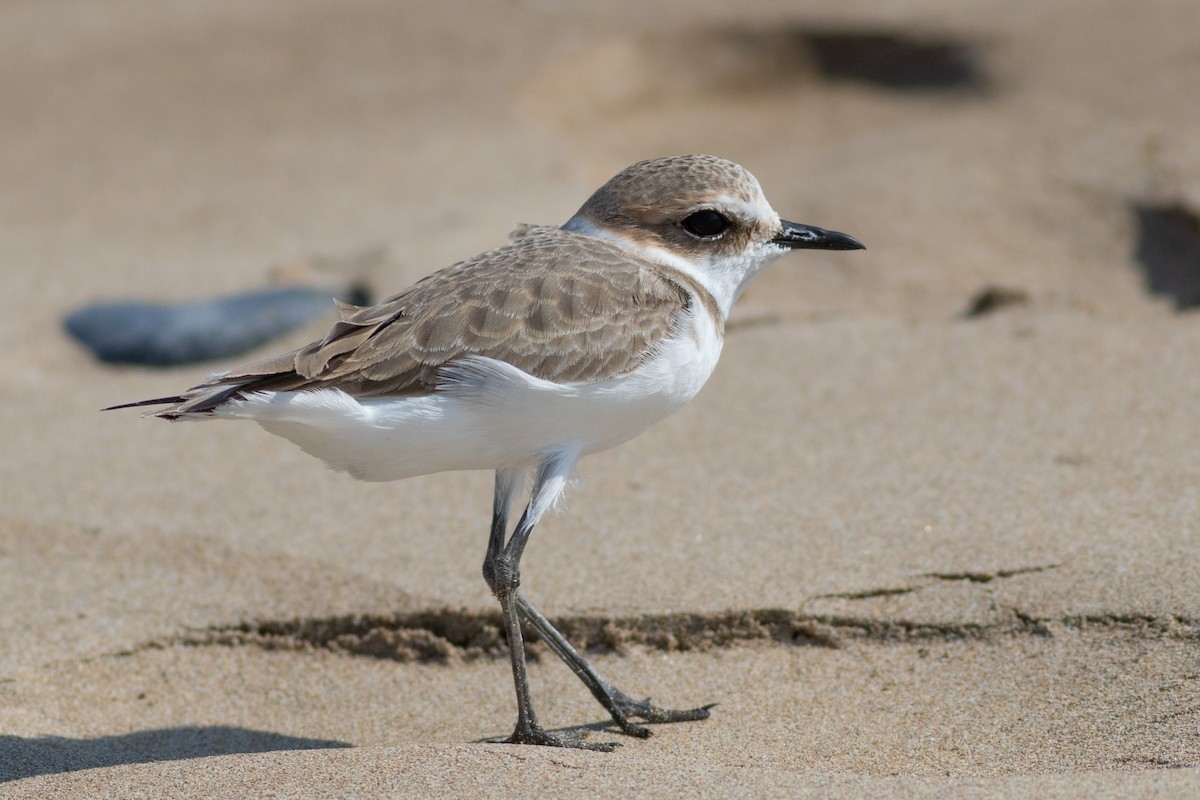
909	551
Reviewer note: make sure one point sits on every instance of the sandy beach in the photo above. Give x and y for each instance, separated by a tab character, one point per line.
932	529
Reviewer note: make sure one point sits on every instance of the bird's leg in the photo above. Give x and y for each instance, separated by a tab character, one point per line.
501	570
509	485
620	705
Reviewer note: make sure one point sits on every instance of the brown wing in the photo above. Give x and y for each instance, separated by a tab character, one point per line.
557	305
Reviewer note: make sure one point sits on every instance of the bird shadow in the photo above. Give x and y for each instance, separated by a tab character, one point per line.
580	732
22	757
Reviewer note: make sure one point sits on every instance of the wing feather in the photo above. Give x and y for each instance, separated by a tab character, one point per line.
558	305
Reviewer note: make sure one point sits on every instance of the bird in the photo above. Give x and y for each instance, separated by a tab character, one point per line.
563	342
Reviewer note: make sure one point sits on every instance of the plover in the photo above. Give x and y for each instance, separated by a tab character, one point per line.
565	341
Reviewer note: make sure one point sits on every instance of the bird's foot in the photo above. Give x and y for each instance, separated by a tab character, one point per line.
644	709
536	734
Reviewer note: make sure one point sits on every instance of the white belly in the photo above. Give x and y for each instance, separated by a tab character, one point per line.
489	415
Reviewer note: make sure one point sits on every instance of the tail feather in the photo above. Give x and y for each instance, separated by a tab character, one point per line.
203	399
276	373
203	402
158	401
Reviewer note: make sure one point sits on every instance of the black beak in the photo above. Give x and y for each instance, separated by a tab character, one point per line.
809	237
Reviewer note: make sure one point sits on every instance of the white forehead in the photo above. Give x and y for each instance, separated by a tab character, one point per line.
738	206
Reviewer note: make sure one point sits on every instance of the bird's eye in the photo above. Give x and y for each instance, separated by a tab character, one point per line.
706	224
